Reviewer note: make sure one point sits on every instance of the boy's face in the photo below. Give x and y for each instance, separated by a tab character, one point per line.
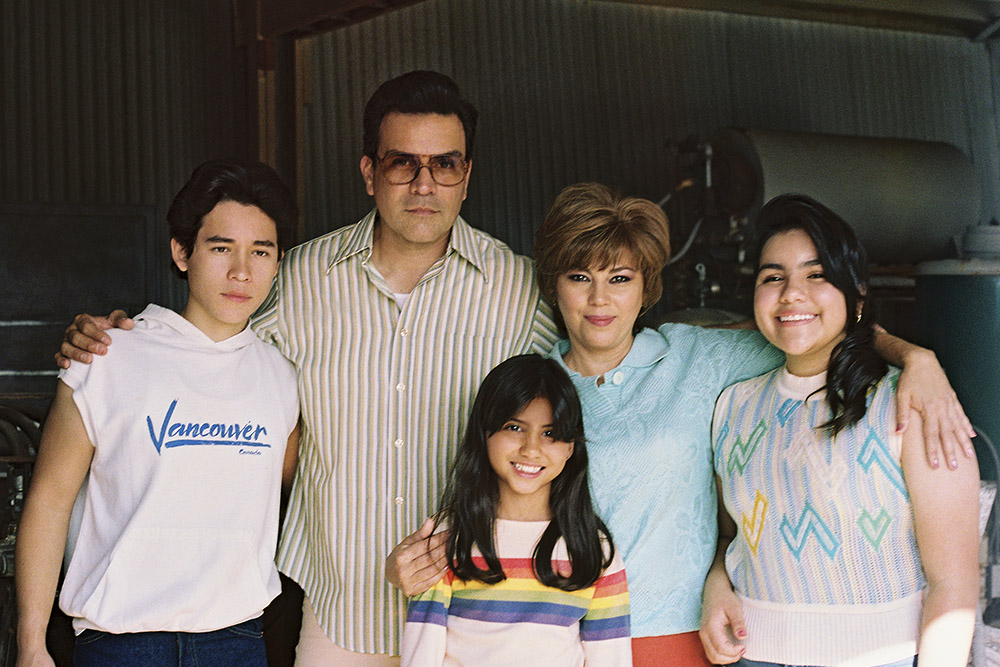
230	269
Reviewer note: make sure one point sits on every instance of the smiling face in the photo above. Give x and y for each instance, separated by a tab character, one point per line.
795	307
230	268
527	459
420	213
599	307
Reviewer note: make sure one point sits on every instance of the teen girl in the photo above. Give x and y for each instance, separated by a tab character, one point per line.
533	578
849	549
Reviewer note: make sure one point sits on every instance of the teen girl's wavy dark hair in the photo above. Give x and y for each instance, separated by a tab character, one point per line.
469	505
855	367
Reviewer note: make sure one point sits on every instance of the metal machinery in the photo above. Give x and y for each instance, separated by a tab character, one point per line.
905	199
19	438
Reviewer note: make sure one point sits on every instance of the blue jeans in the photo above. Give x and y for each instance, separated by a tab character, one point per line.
240	645
908	662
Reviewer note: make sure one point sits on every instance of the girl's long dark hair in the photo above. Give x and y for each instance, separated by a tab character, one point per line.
469	505
855	366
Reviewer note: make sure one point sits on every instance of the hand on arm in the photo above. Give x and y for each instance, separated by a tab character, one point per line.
924	387
722	627
85	337
419	561
63	461
946	519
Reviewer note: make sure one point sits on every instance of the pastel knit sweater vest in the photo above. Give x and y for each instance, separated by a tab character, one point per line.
825	557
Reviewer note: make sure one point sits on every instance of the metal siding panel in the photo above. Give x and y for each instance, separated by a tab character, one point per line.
107	101
579	89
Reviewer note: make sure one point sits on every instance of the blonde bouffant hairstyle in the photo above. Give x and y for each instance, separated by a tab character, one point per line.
592	225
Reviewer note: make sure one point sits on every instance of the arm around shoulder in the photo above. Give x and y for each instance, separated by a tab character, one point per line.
924	386
85	337
420	560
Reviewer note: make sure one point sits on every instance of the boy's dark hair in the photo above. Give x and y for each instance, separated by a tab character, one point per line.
469	505
855	367
417	92
248	183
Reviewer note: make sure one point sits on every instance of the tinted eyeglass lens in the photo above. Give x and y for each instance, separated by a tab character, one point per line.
445	169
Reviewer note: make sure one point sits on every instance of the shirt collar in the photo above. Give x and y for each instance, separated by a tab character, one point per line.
800	387
648	348
359	241
463	242
195	338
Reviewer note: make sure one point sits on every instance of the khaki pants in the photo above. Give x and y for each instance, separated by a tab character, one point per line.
315	649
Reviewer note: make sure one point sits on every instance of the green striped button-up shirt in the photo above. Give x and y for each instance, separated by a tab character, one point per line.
385	394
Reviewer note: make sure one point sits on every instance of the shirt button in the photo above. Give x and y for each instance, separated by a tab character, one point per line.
404	332
399	500
400	387
618	377
398	442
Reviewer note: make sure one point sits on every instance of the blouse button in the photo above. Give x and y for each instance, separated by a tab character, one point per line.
618	377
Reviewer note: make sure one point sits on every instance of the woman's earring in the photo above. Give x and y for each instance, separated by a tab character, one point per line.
858	321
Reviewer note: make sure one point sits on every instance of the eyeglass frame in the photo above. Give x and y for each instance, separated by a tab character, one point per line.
425	162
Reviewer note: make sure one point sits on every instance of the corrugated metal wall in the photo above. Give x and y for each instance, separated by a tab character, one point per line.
115	101
573	90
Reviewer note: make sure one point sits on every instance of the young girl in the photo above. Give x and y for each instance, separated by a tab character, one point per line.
849	549
533	577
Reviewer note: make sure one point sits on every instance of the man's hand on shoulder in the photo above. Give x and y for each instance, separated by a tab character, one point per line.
419	561
85	337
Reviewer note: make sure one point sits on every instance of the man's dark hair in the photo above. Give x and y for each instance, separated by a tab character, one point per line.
417	92
247	183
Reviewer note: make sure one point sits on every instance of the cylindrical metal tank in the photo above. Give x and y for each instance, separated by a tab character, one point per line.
958	316
905	199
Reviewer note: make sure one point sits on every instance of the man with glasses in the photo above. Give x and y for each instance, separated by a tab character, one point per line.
392	323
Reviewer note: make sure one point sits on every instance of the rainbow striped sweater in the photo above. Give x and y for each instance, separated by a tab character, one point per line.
520	621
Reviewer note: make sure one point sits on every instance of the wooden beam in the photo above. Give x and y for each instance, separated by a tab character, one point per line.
303	17
965	18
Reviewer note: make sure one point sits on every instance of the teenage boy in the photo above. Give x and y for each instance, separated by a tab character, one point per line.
187	432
